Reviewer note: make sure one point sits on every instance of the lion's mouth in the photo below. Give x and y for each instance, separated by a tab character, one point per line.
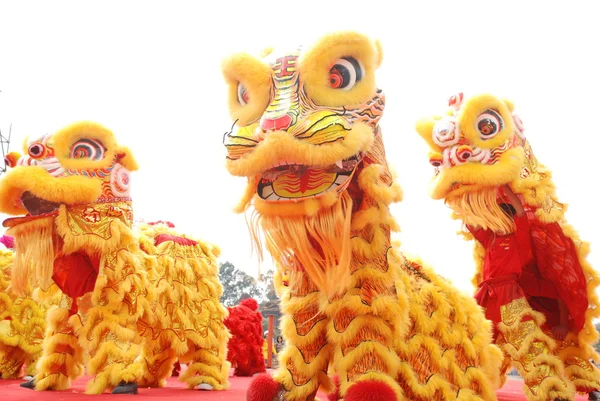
37	206
295	182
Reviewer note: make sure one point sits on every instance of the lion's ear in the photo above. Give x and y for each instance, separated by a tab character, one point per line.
126	159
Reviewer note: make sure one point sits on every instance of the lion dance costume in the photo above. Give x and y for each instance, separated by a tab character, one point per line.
244	350
22	323
527	266
131	304
309	142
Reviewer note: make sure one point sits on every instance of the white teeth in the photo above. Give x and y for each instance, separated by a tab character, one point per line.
333	187
340	179
339	164
267	191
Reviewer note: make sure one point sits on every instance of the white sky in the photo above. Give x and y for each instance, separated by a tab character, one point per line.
150	71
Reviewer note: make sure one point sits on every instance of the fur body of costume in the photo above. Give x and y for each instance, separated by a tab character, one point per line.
133	302
307	138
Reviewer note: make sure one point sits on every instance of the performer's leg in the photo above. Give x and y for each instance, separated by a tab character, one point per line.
584	375
109	332
61	359
208	369
532	353
446	353
11	361
158	361
304	361
364	323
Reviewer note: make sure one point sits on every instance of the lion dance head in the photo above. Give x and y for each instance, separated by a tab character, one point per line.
477	147
306	128
67	184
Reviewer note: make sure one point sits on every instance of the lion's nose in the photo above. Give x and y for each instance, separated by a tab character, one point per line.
276	124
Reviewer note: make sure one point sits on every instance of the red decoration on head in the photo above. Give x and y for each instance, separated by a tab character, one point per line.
455	101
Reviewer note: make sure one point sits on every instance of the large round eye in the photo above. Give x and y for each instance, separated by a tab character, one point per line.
345	73
242	94
489	123
87	149
37	150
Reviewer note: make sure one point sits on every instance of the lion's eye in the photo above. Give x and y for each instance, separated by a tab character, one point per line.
489	123
85	148
242	94
345	73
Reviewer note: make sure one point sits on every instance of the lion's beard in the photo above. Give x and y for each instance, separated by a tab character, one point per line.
317	245
480	209
33	264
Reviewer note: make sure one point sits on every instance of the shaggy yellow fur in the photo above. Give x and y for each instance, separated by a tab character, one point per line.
147	303
22	326
188	311
532	181
352	303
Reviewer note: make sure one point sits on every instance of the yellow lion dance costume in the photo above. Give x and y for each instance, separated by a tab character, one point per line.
22	326
132	304
309	143
481	157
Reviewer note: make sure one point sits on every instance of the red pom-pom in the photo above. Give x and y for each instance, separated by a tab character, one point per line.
250	303
336	395
370	390
262	388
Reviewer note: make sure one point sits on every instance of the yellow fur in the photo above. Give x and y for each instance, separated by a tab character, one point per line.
22	326
149	305
352	303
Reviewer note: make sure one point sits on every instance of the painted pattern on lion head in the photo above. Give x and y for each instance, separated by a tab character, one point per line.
304	120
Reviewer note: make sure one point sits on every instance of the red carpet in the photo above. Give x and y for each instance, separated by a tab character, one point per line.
175	390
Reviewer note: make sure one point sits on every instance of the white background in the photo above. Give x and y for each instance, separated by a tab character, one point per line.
150	71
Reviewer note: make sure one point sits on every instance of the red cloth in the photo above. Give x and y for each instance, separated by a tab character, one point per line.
505	257
539	261
557	261
75	275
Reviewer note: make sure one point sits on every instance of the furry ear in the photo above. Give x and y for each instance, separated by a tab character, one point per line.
379	56
265	52
11	159
509	104
126	159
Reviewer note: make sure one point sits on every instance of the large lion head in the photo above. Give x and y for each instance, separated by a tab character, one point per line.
476	148
306	125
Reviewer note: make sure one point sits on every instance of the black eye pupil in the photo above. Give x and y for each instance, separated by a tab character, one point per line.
487	127
36	150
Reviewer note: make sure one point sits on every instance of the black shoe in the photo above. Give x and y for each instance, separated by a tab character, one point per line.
29	384
594	395
126	388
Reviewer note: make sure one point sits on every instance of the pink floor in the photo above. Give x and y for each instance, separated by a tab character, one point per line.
175	390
